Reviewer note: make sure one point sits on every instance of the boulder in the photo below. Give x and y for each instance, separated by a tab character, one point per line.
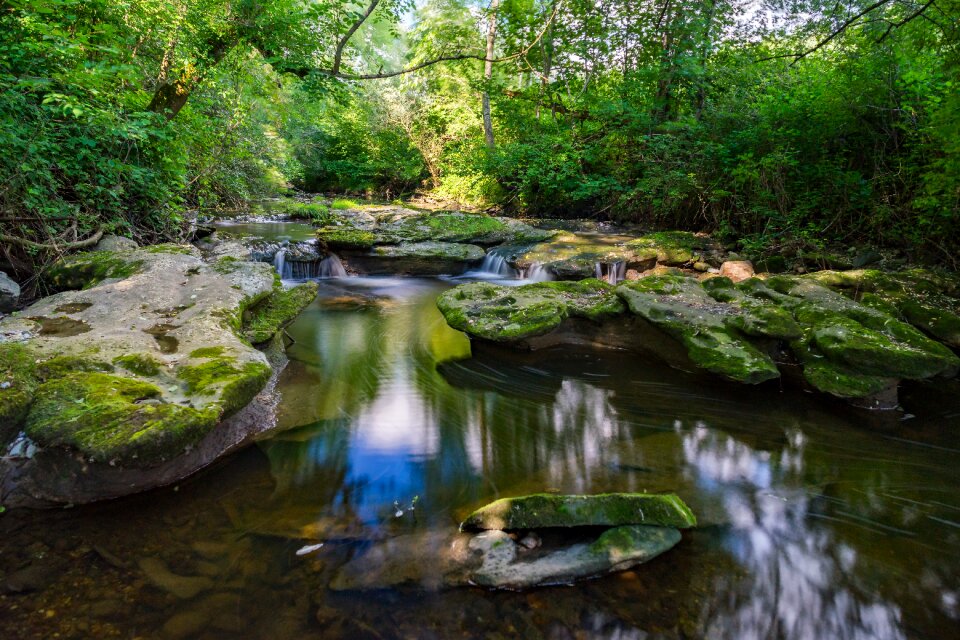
554	510
737	270
116	243
507	314
139	363
9	293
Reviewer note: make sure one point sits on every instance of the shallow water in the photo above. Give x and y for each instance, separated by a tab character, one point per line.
817	521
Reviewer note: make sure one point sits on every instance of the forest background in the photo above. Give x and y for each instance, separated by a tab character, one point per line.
779	126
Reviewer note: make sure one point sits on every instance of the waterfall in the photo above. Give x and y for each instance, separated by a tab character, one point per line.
279	262
615	271
537	273
331	267
494	266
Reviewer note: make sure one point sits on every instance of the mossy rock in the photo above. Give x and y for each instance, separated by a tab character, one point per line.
506	314
570	256
140	363
337	238
672	248
263	320
85	270
18	382
432	251
682	308
455	227
543	510
109	418
234	383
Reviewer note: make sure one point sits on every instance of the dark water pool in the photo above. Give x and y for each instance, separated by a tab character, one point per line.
817	521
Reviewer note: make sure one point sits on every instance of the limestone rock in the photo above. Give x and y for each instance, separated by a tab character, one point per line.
504	314
553	510
183	587
9	293
140	363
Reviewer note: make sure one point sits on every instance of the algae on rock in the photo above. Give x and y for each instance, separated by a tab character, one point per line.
542	510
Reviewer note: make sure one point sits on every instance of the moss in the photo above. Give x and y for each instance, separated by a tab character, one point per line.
682	308
672	247
277	311
177	249
344	237
553	510
618	541
59	366
207	352
108	418
227	265
19	380
835	378
939	322
236	385
507	314
85	270
432	250
139	363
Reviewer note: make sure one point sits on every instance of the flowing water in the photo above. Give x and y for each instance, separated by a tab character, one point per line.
816	521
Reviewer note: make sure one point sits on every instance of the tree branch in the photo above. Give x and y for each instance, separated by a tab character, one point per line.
897	25
341	45
797	57
30	244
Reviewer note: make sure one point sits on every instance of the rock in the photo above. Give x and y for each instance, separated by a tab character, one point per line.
183	587
492	559
507	314
737	270
185	624
674	248
34	577
116	243
702	267
9	293
856	347
570	256
278	311
682	308
615	549
542	510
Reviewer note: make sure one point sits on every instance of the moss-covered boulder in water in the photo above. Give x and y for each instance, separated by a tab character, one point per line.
159	364
542	510
430	250
506	314
673	247
570	256
705	326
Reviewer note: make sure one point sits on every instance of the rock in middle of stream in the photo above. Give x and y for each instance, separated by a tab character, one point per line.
499	559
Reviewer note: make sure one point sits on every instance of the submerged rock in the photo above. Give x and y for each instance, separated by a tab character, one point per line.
553	510
433	560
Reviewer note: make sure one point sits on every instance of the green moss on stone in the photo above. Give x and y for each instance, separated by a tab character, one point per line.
108	418
553	510
237	385
207	352
345	237
672	247
277	311
169	247
18	381
139	363
59	366
85	270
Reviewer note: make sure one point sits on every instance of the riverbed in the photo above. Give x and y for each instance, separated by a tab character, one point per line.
816	520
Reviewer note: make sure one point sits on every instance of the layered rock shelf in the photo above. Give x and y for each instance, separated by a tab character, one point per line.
136	365
852	334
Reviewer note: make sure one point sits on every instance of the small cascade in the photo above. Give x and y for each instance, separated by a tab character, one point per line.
493	267
612	273
538	273
279	262
331	267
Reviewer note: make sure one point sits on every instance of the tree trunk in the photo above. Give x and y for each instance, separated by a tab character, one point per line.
171	95
488	74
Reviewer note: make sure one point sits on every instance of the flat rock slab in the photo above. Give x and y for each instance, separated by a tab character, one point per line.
434	560
141	362
543	510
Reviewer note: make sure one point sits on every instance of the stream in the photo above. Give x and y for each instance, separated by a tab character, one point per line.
816	520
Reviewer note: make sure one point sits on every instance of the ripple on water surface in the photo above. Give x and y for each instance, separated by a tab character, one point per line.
816	521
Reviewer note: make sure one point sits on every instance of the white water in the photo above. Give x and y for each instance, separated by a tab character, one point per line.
493	267
613	273
537	273
279	262
331	267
